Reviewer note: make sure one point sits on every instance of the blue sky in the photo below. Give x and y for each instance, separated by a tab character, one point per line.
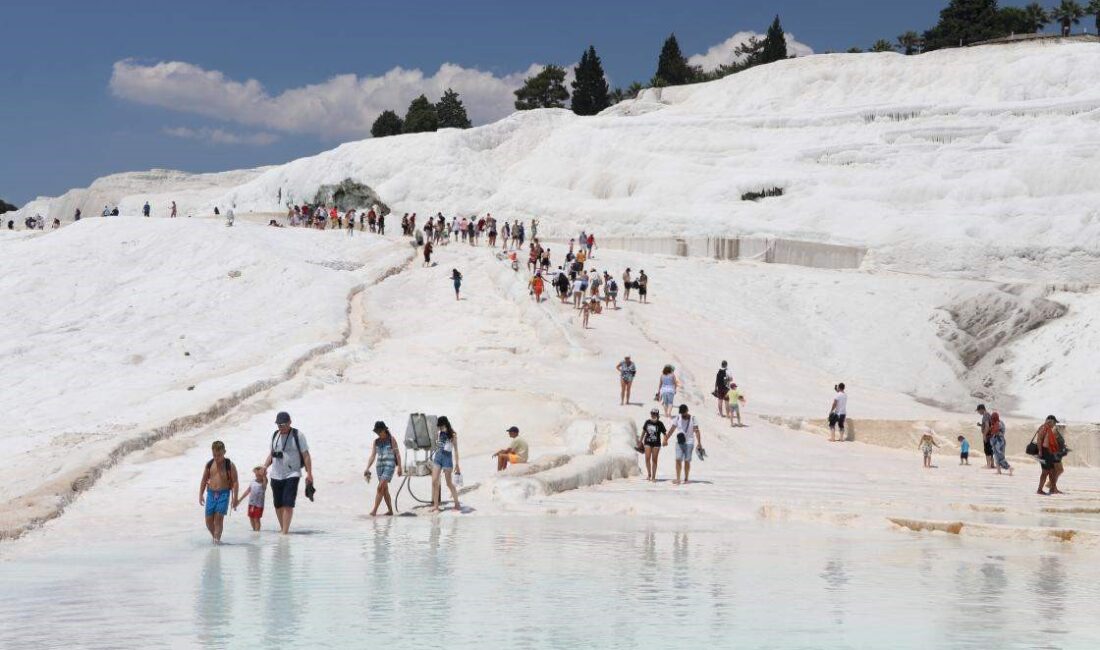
72	112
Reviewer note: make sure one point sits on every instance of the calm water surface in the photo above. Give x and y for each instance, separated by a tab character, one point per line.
546	582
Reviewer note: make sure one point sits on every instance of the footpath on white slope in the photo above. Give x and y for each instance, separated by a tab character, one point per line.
495	359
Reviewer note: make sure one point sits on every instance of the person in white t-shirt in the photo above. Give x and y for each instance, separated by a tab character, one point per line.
287	457
838	413
686	430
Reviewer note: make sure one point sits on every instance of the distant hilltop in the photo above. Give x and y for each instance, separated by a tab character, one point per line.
978	161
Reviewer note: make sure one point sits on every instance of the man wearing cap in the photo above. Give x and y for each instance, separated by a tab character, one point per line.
987	435
515	452
287	456
1050	455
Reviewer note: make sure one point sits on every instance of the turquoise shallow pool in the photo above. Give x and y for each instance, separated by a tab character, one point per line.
545	582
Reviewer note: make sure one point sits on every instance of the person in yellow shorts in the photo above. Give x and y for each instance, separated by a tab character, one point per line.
515	452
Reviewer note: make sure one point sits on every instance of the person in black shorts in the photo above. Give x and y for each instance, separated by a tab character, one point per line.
653	432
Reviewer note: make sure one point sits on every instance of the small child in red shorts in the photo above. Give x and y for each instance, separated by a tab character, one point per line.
255	495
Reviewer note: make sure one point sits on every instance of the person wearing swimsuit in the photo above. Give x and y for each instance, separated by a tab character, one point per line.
389	460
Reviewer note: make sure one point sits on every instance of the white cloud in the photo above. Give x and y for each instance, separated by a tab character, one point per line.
219	136
343	106
723	53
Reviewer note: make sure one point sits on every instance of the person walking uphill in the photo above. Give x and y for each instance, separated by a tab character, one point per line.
287	456
219	480
722	388
389	460
456	278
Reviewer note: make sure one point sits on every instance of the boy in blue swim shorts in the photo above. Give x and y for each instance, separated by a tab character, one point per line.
219	478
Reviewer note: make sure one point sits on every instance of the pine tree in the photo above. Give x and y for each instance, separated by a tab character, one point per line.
909	42
775	44
1014	20
963	22
452	114
421	116
590	94
1094	10
388	123
882	45
672	67
544	90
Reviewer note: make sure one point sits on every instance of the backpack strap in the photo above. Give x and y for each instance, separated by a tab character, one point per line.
298	446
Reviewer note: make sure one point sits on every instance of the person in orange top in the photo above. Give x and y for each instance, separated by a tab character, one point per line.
1050	456
537	286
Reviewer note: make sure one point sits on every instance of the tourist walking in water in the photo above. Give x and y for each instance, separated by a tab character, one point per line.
651	440
219	481
627	370
643	286
445	462
964	451
722	388
686	430
838	414
145	210
997	442
256	493
628	283
389	460
288	455
1051	452
666	389
456	278
927	442
428	253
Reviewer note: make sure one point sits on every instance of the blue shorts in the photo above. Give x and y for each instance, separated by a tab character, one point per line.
667	396
684	451
444	459
217	502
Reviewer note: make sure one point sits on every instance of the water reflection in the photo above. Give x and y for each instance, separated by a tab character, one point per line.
835	575
282	610
213	609
560	583
1050	592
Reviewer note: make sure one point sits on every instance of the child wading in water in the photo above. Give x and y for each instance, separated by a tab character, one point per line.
964	451
255	495
389	460
926	445
219	479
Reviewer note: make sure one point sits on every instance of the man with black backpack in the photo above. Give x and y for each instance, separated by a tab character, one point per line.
287	456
